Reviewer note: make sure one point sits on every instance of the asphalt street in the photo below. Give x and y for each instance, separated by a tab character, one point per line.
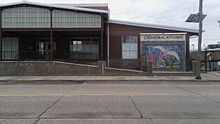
109	102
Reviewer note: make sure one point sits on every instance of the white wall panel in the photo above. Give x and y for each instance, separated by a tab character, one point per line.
65	19
26	17
33	17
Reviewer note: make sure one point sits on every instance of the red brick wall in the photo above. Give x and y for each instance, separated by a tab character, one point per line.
115	46
116	31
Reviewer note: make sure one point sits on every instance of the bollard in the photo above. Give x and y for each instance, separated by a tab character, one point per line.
102	65
194	67
150	68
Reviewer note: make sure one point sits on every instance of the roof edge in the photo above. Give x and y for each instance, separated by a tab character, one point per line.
56	6
82	4
138	24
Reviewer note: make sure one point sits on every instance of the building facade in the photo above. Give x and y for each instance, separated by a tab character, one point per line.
211	58
76	33
126	46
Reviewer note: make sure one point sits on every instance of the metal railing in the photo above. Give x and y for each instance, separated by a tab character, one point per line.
45	55
212	65
9	55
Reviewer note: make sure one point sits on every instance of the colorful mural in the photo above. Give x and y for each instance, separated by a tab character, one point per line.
165	57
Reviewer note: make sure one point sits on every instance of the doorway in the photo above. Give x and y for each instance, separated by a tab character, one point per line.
44	48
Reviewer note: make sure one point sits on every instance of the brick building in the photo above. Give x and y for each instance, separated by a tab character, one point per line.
84	33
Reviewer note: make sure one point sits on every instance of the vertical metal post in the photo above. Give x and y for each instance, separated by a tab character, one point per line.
51	34
206	59
187	52
0	34
193	51
101	41
108	54
198	75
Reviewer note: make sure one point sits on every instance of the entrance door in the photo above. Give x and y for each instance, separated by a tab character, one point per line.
43	48
10	48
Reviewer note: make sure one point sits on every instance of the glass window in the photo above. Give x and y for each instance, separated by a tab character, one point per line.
76	46
86	48
130	47
10	48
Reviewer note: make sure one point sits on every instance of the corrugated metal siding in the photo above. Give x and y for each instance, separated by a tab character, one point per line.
64	19
33	17
26	17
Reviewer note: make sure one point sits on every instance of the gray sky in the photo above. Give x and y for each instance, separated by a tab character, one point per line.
162	12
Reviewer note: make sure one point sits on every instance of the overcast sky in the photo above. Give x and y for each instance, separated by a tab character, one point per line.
162	12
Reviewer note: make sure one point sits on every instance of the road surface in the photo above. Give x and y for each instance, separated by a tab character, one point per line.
109	102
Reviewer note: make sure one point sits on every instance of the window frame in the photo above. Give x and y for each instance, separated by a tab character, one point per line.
92	41
129	51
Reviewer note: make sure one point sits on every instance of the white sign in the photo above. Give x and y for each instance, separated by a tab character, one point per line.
162	37
219	63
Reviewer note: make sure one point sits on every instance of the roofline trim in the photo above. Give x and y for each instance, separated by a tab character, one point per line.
153	26
56	6
84	4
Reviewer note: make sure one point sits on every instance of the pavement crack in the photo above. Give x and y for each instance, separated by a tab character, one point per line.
151	121
135	106
36	121
38	117
187	90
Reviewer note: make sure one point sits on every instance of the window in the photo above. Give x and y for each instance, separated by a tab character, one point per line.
85	48
76	46
10	48
129	47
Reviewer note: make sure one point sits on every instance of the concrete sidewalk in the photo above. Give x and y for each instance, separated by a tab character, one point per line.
212	76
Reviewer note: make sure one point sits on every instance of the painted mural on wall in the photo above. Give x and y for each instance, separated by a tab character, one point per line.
164	56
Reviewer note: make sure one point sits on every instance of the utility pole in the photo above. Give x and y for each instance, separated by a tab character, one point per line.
198	74
198	18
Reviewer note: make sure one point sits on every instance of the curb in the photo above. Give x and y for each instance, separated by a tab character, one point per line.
98	81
